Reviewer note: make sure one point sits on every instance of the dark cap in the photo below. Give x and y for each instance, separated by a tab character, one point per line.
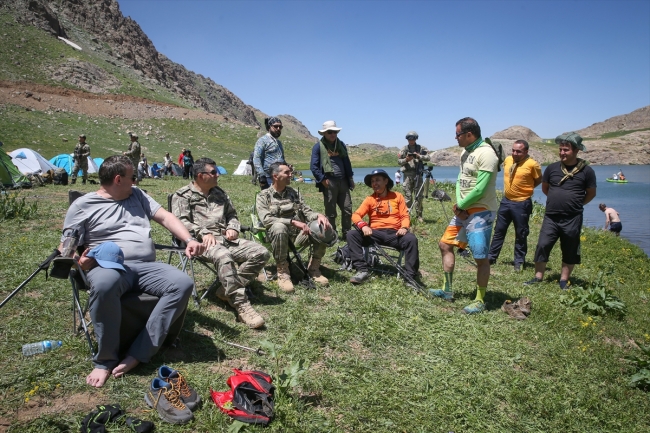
573	138
82	136
379	172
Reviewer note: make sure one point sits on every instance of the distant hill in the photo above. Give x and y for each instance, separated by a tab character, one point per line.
619	140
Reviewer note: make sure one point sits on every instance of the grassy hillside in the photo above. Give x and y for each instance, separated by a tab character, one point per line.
375	358
30	54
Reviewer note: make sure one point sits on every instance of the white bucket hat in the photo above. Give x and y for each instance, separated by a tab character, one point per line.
330	125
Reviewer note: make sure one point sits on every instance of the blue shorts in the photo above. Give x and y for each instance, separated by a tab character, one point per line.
475	231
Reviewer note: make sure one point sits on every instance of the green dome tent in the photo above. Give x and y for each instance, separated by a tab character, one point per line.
10	176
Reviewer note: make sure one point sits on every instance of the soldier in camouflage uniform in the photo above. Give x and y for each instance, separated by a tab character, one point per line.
285	216
134	155
207	212
411	160
81	154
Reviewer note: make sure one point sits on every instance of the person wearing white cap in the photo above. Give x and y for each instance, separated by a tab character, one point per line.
332	170
411	160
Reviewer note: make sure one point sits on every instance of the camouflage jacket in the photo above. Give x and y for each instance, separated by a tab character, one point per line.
81	152
281	207
203	215
134	152
415	166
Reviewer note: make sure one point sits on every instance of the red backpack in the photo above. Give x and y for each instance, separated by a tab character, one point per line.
249	399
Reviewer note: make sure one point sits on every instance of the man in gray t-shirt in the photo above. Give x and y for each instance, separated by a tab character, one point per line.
120	213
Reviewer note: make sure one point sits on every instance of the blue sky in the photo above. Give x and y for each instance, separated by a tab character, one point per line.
382	68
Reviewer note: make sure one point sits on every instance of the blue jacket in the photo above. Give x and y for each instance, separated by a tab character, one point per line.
317	168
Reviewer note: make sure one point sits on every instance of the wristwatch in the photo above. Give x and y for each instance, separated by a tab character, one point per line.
191	238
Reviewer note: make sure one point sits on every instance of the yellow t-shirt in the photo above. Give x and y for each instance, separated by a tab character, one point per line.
522	185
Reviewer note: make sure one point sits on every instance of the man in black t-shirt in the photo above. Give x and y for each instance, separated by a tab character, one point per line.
568	184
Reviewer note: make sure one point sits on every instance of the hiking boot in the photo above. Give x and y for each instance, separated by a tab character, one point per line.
314	272
439	293
247	314
166	399
73	181
474	308
284	278
535	280
360	277
83	182
187	395
517	267
524	305
513	310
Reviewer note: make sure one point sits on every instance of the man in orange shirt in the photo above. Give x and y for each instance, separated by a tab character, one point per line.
389	225
521	175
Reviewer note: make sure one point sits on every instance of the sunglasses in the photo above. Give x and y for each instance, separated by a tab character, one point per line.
331	132
211	173
461	133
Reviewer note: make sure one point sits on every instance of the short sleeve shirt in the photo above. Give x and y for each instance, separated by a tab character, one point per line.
522	184
567	199
482	158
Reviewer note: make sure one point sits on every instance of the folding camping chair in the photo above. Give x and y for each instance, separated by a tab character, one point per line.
136	307
258	234
184	262
374	259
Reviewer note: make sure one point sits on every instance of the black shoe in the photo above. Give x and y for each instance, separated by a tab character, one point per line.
564	284
493	262
535	280
360	277
517	267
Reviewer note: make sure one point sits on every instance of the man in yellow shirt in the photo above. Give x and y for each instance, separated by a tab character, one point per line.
521	175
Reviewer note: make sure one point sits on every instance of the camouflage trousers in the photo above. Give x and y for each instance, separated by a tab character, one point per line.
279	234
411	186
225	255
84	170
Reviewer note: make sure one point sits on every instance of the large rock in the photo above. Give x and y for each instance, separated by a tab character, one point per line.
517	132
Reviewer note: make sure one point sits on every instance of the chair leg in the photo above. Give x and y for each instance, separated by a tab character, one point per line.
77	310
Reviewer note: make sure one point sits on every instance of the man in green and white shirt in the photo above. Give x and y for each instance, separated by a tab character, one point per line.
476	204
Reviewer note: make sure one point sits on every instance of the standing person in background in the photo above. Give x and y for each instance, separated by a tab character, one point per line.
568	184
476	203
398	178
188	163
134	155
612	219
81	154
411	160
180	157
521	176
168	165
268	150
332	170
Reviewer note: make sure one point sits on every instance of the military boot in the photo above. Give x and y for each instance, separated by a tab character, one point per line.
314	272
284	278
248	315
73	181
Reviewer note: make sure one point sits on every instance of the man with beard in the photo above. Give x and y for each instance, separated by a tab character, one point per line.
568	184
268	150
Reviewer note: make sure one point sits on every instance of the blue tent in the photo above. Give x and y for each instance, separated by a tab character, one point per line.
63	161
66	162
221	170
98	161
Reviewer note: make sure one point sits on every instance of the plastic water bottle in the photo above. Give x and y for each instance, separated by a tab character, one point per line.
41	347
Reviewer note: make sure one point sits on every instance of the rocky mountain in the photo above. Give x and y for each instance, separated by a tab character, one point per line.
517	133
99	27
638	119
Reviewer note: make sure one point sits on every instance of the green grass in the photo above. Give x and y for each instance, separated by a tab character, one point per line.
378	358
615	134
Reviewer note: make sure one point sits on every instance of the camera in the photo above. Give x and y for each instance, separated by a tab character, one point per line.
410	154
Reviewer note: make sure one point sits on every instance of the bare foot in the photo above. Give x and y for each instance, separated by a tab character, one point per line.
97	377
127	364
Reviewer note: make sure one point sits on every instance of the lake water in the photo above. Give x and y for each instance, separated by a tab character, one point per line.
631	200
